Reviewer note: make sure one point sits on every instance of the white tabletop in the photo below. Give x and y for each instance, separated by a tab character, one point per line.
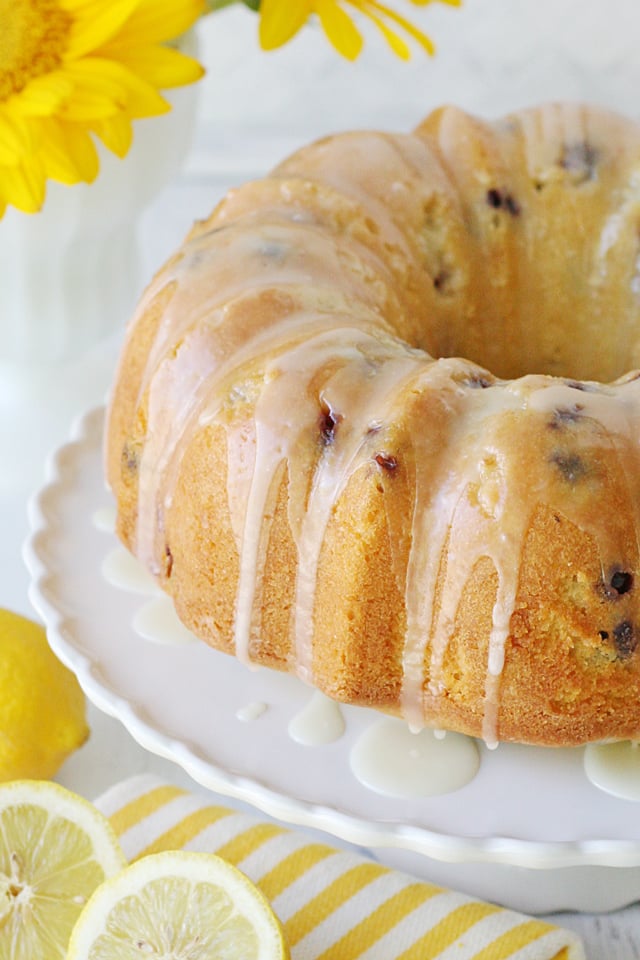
41	422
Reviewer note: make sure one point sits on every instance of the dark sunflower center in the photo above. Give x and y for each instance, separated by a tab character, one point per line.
33	39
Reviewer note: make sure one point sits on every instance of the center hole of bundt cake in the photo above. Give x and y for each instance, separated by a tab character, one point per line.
539	296
570	343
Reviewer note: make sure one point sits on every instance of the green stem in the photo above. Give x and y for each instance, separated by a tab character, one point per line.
214	5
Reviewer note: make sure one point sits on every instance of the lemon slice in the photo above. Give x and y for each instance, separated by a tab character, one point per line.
182	906
55	849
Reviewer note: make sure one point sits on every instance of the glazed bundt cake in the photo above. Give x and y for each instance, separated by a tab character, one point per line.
307	465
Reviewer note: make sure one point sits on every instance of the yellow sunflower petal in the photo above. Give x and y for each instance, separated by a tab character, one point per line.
97	92
424	3
94	23
81	150
339	28
367	5
395	41
3	205
280	20
85	106
23	186
156	21
43	95
397	44
116	133
143	99
16	140
47	128
131	93
161	66
55	156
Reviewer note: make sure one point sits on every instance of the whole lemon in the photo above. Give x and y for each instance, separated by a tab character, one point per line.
42	707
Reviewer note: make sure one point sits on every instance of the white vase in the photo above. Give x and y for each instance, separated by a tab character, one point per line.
70	276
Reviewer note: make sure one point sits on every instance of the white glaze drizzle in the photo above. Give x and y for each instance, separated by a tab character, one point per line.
158	622
319	722
614	768
375	379
439	496
104	519
389	759
251	711
329	350
281	429
438	524
203	363
171	400
122	569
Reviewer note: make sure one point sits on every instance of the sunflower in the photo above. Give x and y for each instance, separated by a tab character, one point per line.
73	70
280	20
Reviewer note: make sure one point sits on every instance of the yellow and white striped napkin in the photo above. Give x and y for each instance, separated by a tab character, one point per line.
334	905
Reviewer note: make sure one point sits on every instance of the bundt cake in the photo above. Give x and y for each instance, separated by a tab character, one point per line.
307	465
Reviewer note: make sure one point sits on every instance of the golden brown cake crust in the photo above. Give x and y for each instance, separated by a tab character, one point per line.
305	463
